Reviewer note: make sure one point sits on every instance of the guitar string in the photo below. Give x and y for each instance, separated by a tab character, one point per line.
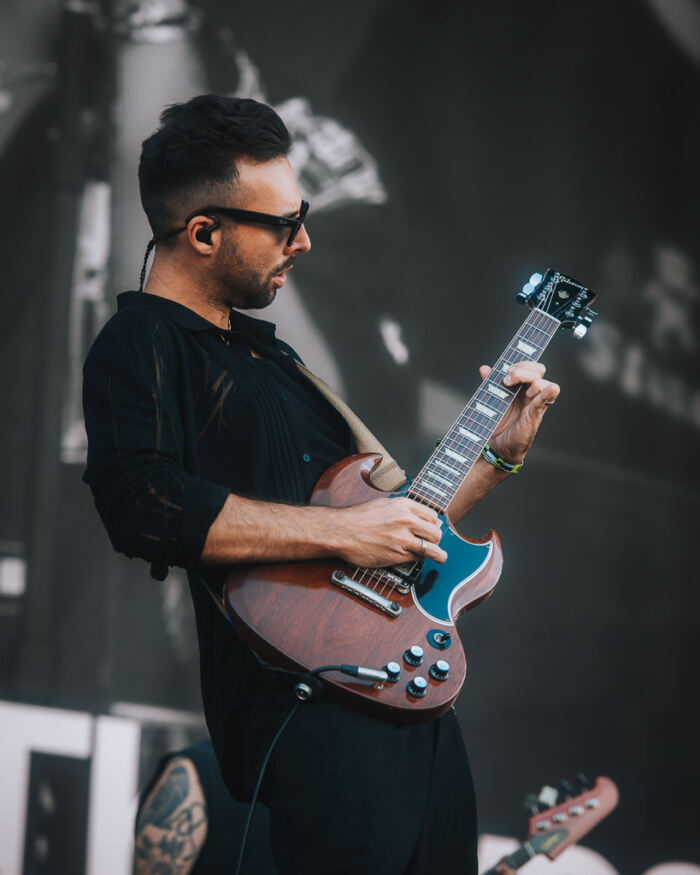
510	348
474	418
469	416
480	423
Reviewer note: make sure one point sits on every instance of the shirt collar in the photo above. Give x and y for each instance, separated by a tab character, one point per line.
240	323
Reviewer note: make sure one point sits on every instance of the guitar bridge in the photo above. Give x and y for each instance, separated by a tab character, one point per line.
339	578
398	583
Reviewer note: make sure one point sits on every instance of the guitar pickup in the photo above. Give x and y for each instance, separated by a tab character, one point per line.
339	578
407	572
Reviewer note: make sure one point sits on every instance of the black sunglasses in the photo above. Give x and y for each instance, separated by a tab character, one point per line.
259	218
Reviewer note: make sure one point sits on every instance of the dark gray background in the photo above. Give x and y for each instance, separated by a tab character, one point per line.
509	137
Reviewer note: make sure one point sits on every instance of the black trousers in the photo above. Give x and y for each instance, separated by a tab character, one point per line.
349	795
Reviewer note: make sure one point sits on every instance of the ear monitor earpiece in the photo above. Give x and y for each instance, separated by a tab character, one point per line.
203	235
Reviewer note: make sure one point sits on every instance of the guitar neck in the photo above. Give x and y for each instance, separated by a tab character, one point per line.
518	858
453	458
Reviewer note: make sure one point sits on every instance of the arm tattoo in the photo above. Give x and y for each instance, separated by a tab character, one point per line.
172	827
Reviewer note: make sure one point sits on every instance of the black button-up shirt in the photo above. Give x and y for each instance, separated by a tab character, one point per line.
178	415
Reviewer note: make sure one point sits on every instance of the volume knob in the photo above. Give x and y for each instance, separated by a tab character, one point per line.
393	670
440	670
417	687
414	655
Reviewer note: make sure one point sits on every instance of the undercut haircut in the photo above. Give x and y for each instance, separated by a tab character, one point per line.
195	151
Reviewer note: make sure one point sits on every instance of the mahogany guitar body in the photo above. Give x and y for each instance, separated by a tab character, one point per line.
294	616
304	615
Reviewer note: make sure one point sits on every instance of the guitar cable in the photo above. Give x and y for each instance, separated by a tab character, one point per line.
307	687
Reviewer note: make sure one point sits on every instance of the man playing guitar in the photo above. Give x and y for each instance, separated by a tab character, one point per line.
205	442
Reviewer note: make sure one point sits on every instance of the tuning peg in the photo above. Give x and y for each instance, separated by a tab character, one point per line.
529	288
580	331
548	796
583	782
566	789
532	804
523	296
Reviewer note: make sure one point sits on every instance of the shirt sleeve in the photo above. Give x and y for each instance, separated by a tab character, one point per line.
150	505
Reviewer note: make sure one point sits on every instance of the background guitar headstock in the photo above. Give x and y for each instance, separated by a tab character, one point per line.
561	297
552	829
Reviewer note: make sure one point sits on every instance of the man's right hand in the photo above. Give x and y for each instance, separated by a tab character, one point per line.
388	531
383	531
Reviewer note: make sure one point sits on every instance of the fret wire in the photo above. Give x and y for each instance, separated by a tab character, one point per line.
454	441
450	441
416	496
464	449
532	331
537	322
518	858
500	386
542	315
455	444
466	418
475	419
450	484
430	501
485	397
441	478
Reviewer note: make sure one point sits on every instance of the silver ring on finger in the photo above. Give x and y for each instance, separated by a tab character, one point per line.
423	548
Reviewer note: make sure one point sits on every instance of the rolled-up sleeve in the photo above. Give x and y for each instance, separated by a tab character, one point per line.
151	506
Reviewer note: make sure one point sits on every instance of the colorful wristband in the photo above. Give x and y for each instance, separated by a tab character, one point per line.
500	463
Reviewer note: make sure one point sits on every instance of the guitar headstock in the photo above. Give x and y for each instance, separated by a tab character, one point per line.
552	829
561	297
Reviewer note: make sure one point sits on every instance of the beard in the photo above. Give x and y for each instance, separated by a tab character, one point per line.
239	285
253	296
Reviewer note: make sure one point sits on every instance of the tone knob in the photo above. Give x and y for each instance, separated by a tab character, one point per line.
440	670
414	655
393	670
417	687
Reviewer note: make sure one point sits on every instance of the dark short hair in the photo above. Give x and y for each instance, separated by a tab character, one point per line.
196	148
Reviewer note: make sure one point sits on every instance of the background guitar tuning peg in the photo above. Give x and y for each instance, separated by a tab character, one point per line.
532	804
566	789
583	782
548	796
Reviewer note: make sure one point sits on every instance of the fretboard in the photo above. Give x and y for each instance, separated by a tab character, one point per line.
515	860
448	466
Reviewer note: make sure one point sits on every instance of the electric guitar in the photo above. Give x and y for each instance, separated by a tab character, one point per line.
552	829
399	620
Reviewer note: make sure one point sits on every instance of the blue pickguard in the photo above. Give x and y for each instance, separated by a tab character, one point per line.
434	589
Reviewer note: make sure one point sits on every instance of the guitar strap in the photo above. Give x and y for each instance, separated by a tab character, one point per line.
388	476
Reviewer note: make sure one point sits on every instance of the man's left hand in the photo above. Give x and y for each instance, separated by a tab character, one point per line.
516	432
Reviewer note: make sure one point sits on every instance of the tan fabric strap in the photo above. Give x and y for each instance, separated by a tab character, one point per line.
388	476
